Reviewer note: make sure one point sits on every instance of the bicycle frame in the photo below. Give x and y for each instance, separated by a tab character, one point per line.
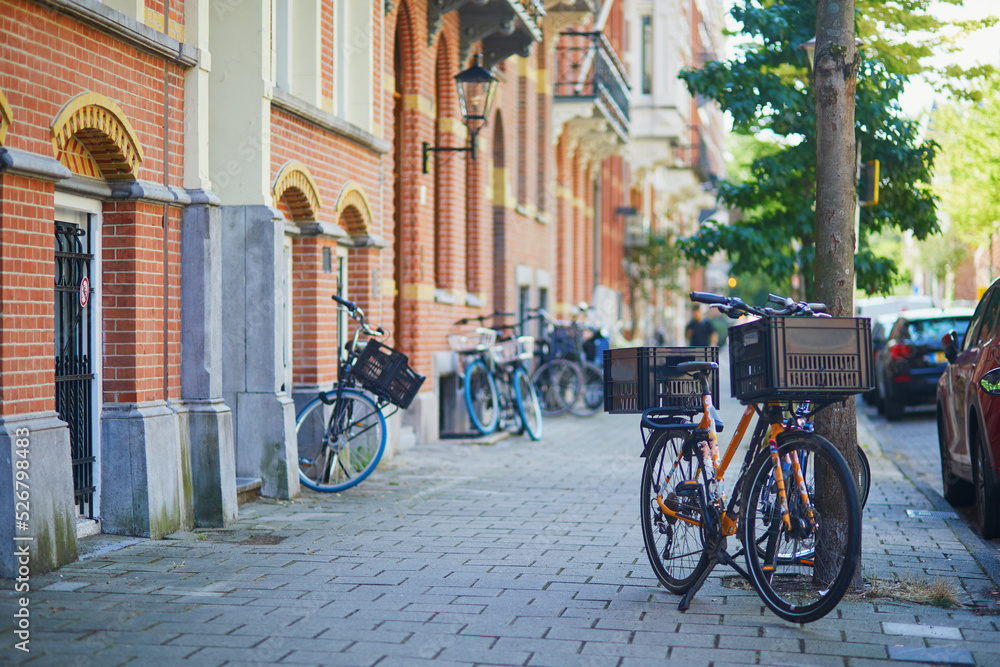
769	421
346	379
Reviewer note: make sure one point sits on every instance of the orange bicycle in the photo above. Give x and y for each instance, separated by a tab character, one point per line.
794	508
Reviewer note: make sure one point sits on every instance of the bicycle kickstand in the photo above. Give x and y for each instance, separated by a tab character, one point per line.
721	558
686	600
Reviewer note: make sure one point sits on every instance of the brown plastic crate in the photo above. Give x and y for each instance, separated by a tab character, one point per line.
639	378
801	358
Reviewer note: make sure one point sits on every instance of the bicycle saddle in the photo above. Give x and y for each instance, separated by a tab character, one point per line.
695	366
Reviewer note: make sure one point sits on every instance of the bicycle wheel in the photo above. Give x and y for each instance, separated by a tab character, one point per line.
341	451
591	399
481	397
674	545
864	476
557	384
528	408
801	574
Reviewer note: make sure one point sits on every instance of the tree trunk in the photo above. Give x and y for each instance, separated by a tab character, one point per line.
834	81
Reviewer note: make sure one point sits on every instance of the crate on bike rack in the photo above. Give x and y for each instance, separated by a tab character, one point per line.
802	358
472	341
385	372
404	385
639	378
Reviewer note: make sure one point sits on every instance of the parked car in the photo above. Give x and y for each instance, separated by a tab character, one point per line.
881	325
908	367
968	414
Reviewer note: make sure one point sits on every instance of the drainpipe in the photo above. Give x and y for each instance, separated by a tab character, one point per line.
166	207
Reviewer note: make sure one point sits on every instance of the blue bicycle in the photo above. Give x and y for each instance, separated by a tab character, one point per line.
342	432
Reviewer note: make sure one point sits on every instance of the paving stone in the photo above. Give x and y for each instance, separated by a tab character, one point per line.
491	555
939	656
921	630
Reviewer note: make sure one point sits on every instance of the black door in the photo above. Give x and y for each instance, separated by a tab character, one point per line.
74	372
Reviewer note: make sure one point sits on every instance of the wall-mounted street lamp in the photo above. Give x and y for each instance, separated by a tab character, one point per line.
476	86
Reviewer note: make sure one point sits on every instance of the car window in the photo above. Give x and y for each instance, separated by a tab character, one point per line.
936	328
982	321
989	327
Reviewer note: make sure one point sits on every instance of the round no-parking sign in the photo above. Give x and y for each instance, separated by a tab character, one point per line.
84	292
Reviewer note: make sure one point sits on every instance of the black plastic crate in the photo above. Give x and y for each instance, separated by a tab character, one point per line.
639	378
404	386
384	372
807	358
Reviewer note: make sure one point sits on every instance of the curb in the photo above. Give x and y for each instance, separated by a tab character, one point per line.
981	551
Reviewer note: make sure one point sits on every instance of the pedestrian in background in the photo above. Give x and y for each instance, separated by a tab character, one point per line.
699	331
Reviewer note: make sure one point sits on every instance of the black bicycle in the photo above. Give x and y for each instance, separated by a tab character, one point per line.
342	432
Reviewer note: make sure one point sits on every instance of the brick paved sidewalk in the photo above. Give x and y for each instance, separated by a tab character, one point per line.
519	553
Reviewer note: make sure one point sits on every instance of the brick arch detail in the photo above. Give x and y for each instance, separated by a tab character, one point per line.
6	117
353	212
297	186
92	133
405	26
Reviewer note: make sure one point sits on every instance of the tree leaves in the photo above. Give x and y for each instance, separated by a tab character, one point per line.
765	90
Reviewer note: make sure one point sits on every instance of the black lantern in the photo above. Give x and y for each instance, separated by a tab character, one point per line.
476	86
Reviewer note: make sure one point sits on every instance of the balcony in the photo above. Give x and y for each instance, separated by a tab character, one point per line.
591	88
561	14
504	27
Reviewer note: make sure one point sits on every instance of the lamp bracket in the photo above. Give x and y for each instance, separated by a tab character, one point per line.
427	149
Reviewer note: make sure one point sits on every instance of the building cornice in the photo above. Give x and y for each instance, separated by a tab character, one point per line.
98	15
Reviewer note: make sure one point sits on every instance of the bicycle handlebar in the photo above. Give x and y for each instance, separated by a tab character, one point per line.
734	307
358	314
482	318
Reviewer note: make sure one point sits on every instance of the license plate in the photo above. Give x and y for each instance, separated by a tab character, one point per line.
939	358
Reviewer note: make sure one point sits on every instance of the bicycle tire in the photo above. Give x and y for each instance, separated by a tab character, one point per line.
350	444
675	547
481	397
528	407
864	476
558	384
781	563
591	399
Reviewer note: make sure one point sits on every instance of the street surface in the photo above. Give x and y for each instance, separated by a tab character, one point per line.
518	553
912	445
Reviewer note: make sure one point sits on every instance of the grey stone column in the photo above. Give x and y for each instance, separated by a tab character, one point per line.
141	470
252	372
45	526
206	420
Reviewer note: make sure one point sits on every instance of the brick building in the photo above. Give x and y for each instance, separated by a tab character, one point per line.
96	219
183	185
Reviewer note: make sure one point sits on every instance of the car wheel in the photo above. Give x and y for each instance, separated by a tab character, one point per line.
893	408
956	490
869	397
987	495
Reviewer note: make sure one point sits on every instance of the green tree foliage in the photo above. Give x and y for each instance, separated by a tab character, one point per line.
765	90
969	134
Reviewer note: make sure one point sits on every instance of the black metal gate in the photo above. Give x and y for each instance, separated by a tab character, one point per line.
74	374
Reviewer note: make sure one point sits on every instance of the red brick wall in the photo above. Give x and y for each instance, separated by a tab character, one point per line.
314	334
49	58
26	298
133	290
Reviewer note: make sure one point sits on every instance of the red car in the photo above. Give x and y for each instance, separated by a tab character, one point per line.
968	414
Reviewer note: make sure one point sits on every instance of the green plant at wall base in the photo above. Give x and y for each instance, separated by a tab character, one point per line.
766	90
